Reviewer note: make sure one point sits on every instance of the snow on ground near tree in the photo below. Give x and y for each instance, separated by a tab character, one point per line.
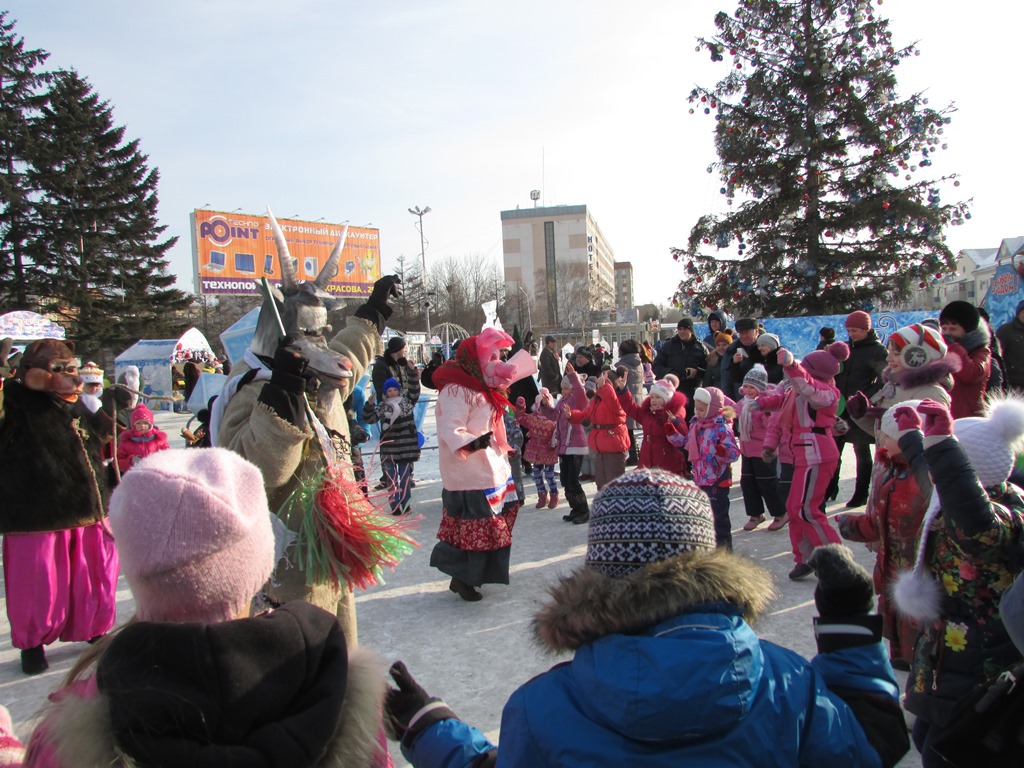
474	655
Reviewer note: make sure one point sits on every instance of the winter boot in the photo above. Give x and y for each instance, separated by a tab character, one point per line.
33	661
542	499
464	590
860	490
580	509
553	499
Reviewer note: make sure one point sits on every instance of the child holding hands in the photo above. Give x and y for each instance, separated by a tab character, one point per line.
541	446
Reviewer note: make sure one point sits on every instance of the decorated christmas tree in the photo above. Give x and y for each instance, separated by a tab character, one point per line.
823	167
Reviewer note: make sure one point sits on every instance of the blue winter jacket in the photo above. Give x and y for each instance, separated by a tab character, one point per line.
697	689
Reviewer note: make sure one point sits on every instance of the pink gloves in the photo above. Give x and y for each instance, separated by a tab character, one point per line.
938	422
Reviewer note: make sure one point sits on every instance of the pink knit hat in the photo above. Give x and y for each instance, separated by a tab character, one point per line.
664	389
193	531
823	365
141	413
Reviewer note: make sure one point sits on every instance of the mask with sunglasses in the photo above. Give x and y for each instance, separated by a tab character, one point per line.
50	365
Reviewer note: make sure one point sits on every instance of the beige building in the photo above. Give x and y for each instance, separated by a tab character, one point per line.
557	258
623	285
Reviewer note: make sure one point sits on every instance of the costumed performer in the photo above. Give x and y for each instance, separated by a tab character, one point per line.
479	495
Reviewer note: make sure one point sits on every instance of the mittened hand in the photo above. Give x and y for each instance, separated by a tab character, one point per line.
768	454
844	587
938	422
784	357
385	289
670	429
857	406
403	703
907	418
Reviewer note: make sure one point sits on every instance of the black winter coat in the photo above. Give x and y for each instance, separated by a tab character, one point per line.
862	372
676	356
50	464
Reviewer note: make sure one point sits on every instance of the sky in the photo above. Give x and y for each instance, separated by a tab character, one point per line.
357	111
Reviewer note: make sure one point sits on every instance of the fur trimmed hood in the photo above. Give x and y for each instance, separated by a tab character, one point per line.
972	340
940	372
588	605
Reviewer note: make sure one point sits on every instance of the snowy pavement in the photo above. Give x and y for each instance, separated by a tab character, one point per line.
472	654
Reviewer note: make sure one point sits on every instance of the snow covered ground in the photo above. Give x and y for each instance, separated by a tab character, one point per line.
472	654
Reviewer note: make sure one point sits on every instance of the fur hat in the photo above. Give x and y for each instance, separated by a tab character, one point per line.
141	413
859	319
757	377
769	340
918	345
888	425
391	383
686	322
962	313
395	344
828	334
663	389
990	444
90	373
746	324
193	531
646	516
723	336
823	365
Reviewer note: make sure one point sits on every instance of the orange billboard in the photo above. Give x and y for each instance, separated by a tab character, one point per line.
231	252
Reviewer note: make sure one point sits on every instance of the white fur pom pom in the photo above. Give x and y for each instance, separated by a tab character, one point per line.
918	595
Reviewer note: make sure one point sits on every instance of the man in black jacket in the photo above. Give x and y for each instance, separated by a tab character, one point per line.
862	372
686	356
742	355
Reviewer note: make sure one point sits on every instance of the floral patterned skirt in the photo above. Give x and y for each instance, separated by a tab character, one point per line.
474	543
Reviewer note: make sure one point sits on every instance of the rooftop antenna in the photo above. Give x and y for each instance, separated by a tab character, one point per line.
535	196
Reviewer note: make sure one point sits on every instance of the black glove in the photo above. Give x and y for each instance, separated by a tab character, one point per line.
285	392
844	597
409	709
376	308
479	443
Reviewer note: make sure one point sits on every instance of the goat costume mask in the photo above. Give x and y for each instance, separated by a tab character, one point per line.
284	412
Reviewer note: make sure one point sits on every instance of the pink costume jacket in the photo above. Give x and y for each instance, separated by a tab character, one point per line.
462	416
751	426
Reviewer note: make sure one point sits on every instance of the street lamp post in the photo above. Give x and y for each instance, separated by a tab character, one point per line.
417	211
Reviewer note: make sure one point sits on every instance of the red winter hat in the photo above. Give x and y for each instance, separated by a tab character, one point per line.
859	319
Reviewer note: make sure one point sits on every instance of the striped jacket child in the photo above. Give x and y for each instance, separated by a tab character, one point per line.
399	442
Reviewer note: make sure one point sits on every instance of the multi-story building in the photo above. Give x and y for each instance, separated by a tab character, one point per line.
623	285
558	259
975	268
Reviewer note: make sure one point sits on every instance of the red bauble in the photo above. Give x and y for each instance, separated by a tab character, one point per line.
886	205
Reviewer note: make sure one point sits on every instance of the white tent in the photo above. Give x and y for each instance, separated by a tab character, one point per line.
23	326
154	358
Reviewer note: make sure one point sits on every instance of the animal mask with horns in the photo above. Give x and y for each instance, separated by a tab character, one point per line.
302	308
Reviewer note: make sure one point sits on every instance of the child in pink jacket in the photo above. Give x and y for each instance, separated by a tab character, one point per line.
142	439
758	477
542	445
808	413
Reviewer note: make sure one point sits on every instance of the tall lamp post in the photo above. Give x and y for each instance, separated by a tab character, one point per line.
417	211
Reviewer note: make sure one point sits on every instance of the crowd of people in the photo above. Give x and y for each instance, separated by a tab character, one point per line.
665	664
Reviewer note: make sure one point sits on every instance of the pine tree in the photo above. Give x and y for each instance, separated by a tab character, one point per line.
99	235
823	163
22	95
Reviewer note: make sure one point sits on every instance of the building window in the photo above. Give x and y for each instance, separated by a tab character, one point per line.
549	267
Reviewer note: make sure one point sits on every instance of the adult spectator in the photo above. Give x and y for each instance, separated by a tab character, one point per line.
666	669
685	356
600	355
583	362
718	321
997	376
862	372
1011	337
967	338
550	368
741	356
716	360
